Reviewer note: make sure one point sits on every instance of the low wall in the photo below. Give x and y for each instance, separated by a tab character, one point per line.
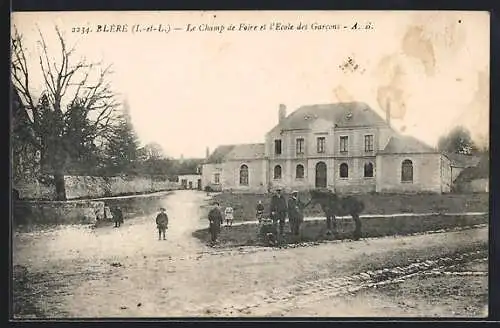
56	212
478	185
92	187
34	189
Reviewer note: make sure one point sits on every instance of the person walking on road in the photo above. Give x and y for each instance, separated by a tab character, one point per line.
162	223
215	219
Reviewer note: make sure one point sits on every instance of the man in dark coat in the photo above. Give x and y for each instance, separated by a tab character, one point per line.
279	211
295	214
215	219
162	223
117	216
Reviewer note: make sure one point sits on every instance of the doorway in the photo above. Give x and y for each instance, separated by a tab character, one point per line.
321	175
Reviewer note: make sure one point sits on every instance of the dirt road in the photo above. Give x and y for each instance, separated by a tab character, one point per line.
127	272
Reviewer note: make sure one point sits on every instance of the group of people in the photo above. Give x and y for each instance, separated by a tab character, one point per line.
114	214
280	210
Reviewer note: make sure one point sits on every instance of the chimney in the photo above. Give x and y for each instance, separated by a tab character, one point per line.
388	112
282	113
207	153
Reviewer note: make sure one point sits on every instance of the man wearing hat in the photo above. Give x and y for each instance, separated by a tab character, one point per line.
215	220
162	223
295	214
279	211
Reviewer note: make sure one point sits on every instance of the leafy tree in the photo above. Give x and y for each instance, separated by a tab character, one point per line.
458	141
122	145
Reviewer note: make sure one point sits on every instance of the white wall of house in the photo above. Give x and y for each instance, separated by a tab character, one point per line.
256	175
426	173
191	180
209	176
355	181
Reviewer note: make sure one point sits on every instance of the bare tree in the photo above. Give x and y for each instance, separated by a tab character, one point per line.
72	90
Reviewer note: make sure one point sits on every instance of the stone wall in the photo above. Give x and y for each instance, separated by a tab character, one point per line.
477	185
34	189
92	187
426	173
56	212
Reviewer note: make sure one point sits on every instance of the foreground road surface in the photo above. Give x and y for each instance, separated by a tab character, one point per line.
127	272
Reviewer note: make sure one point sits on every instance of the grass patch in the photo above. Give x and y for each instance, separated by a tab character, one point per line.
244	204
247	234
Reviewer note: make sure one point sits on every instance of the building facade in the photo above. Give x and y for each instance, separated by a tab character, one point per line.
190	181
344	147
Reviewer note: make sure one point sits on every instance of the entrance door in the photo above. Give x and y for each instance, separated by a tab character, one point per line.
190	184
321	175
184	183
199	184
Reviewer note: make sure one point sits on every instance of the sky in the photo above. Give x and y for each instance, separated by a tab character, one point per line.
189	90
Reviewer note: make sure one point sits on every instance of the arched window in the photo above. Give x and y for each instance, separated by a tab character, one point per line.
344	170
244	175
299	171
277	172
368	170
407	171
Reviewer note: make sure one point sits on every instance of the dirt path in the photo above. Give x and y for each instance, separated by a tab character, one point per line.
139	276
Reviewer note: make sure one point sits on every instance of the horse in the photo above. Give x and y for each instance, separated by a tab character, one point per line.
333	205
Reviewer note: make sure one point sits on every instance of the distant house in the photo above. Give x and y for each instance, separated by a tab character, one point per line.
345	147
239	167
190	181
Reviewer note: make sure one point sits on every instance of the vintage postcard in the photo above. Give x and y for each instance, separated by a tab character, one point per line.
250	164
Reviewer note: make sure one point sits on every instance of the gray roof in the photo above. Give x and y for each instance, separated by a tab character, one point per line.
219	154
236	152
246	151
407	145
346	114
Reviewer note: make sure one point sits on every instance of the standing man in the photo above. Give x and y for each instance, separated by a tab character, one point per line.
278	212
295	214
215	219
162	223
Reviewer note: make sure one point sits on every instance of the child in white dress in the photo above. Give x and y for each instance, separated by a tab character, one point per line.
229	215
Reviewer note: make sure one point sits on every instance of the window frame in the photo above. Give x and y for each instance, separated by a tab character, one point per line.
244	168
409	164
347	171
321	141
372	170
300	150
370	144
344	144
297	177
280	170
276	143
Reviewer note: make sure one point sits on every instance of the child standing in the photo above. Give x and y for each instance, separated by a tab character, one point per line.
162	223
229	214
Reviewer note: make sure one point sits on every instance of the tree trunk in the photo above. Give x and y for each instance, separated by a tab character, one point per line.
357	229
60	186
